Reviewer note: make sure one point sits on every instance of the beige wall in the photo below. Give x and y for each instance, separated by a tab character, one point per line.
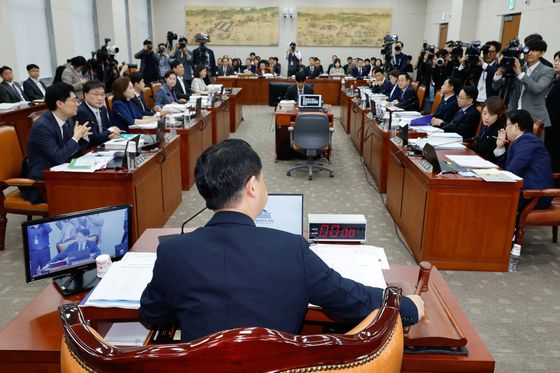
63	37
7	41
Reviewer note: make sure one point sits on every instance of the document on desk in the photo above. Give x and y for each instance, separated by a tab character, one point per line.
144	126
471	161
123	284
361	263
493	175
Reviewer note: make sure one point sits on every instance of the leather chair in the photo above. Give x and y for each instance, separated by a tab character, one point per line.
109	102
421	93
437	100
538	128
375	345
148	97
155	87
10	176
311	134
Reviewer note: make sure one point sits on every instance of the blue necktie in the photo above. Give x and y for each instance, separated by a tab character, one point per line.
460	114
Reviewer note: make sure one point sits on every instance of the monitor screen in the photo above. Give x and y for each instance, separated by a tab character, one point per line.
283	212
55	246
429	153
310	102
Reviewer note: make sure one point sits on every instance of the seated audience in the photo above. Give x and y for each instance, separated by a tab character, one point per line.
336	69
526	156
318	66
267	277
93	111
367	66
33	88
263	68
236	66
225	69
182	88
138	84
552	134
198	86
359	72
381	84
249	68
408	100
124	111
72	74
334	57
10	90
300	88
166	94
395	91
275	65
493	119
448	105
465	122
54	138
311	71
349	66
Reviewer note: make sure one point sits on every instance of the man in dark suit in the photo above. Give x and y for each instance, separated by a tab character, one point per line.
182	88
300	88
349	66
33	88
54	138
263	278
448	106
408	99
10	90
381	84
359	72
80	250
93	110
204	55
138	83
399	58
225	69
466	120
311	71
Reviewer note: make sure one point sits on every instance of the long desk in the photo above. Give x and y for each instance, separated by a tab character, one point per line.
235	109
31	341
153	189
451	221
18	116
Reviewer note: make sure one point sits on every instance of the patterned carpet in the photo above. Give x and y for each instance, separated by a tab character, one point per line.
516	314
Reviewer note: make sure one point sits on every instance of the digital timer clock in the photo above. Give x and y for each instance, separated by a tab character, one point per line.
337	227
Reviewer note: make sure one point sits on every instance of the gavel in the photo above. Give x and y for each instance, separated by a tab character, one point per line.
422	283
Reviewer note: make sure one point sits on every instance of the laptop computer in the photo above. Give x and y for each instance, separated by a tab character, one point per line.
310	102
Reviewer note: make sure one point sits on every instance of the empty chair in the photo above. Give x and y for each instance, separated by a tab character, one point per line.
311	135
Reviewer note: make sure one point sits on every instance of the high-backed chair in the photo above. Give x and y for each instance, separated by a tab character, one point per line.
311	134
155	87
10	176
375	345
109	101
538	127
437	100
148	97
421	93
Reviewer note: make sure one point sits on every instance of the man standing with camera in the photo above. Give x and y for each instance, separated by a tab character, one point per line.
163	59
484	71
530	82
294	59
204	56
182	54
149	64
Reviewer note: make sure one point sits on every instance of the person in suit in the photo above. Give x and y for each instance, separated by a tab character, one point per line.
10	90
395	91
182	88
493	120
39	247
348	66
310	71
381	84
73	74
225	69
300	88
236	66
552	133
166	94
318	66
367	66
124	112
248	68
181	53
206	295
55	137
483	76
93	110
33	88
275	65
526	156
408	99
198	86
263	68
204	56
138	84
465	122
399	58
448	106
531	83
80	250
359	72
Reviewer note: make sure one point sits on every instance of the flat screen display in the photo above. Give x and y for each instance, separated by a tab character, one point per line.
310	102
283	212
58	245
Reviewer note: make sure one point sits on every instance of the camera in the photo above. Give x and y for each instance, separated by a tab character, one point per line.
513	50
182	42
202	37
103	65
390	38
161	49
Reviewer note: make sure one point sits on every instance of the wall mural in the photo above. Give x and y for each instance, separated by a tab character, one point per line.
234	26
343	27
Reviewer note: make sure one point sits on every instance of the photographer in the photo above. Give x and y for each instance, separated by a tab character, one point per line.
528	84
163	58
482	74
399	59
442	68
149	64
204	56
294	59
182	54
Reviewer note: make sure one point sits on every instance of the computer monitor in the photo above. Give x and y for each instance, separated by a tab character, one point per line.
310	102
65	246
429	153
403	134
283	212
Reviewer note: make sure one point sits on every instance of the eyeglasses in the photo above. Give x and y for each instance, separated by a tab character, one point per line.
74	100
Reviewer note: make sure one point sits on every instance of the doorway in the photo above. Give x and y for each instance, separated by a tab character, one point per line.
510	27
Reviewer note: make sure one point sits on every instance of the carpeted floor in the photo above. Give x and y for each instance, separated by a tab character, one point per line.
516	314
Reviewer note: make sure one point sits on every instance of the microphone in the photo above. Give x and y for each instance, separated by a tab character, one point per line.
406	102
189	219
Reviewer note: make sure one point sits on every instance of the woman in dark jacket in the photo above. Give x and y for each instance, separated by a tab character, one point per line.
493	119
552	134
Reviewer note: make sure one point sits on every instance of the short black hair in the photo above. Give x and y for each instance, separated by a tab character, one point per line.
300	76
168	74
523	119
378	70
496	45
198	69
57	92
359	59
78	61
83	231
471	91
31	66
136	77
175	63
456	84
394	73
4	68
92	84
222	171
537	45
405	75
532	37
557	54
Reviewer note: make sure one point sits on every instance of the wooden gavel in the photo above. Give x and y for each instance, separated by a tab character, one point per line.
422	283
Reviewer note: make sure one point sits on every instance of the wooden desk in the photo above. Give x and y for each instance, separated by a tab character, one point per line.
19	116
235	109
220	120
283	118
31	341
451	221
357	116
153	189
345	104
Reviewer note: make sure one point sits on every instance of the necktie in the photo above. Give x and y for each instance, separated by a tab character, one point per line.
359	71
66	132
17	92
460	114
173	95
99	122
139	101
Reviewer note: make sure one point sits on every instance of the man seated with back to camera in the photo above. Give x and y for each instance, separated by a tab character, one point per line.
448	106
231	274
93	110
54	138
300	88
465	122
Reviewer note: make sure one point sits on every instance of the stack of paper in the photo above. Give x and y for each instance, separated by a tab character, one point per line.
471	161
144	126
494	175
89	162
123	284
127	334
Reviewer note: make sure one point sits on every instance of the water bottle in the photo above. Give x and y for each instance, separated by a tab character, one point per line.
171	124
514	257
131	155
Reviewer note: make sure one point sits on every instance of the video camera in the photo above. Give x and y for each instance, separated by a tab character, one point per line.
512	51
427	48
387	50
170	37
102	64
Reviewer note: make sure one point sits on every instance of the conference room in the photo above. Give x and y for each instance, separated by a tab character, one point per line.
255	68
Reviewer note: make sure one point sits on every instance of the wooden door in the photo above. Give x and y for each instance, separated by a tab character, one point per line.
442	34
510	27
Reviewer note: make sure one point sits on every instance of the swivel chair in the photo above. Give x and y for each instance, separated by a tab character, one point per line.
311	134
375	345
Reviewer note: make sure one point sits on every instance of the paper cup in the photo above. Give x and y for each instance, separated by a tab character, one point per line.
103	264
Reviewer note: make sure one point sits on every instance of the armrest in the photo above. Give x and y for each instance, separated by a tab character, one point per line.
24	182
530	193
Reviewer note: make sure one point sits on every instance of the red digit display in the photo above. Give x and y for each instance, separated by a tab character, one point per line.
334	230
351	232
324	231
